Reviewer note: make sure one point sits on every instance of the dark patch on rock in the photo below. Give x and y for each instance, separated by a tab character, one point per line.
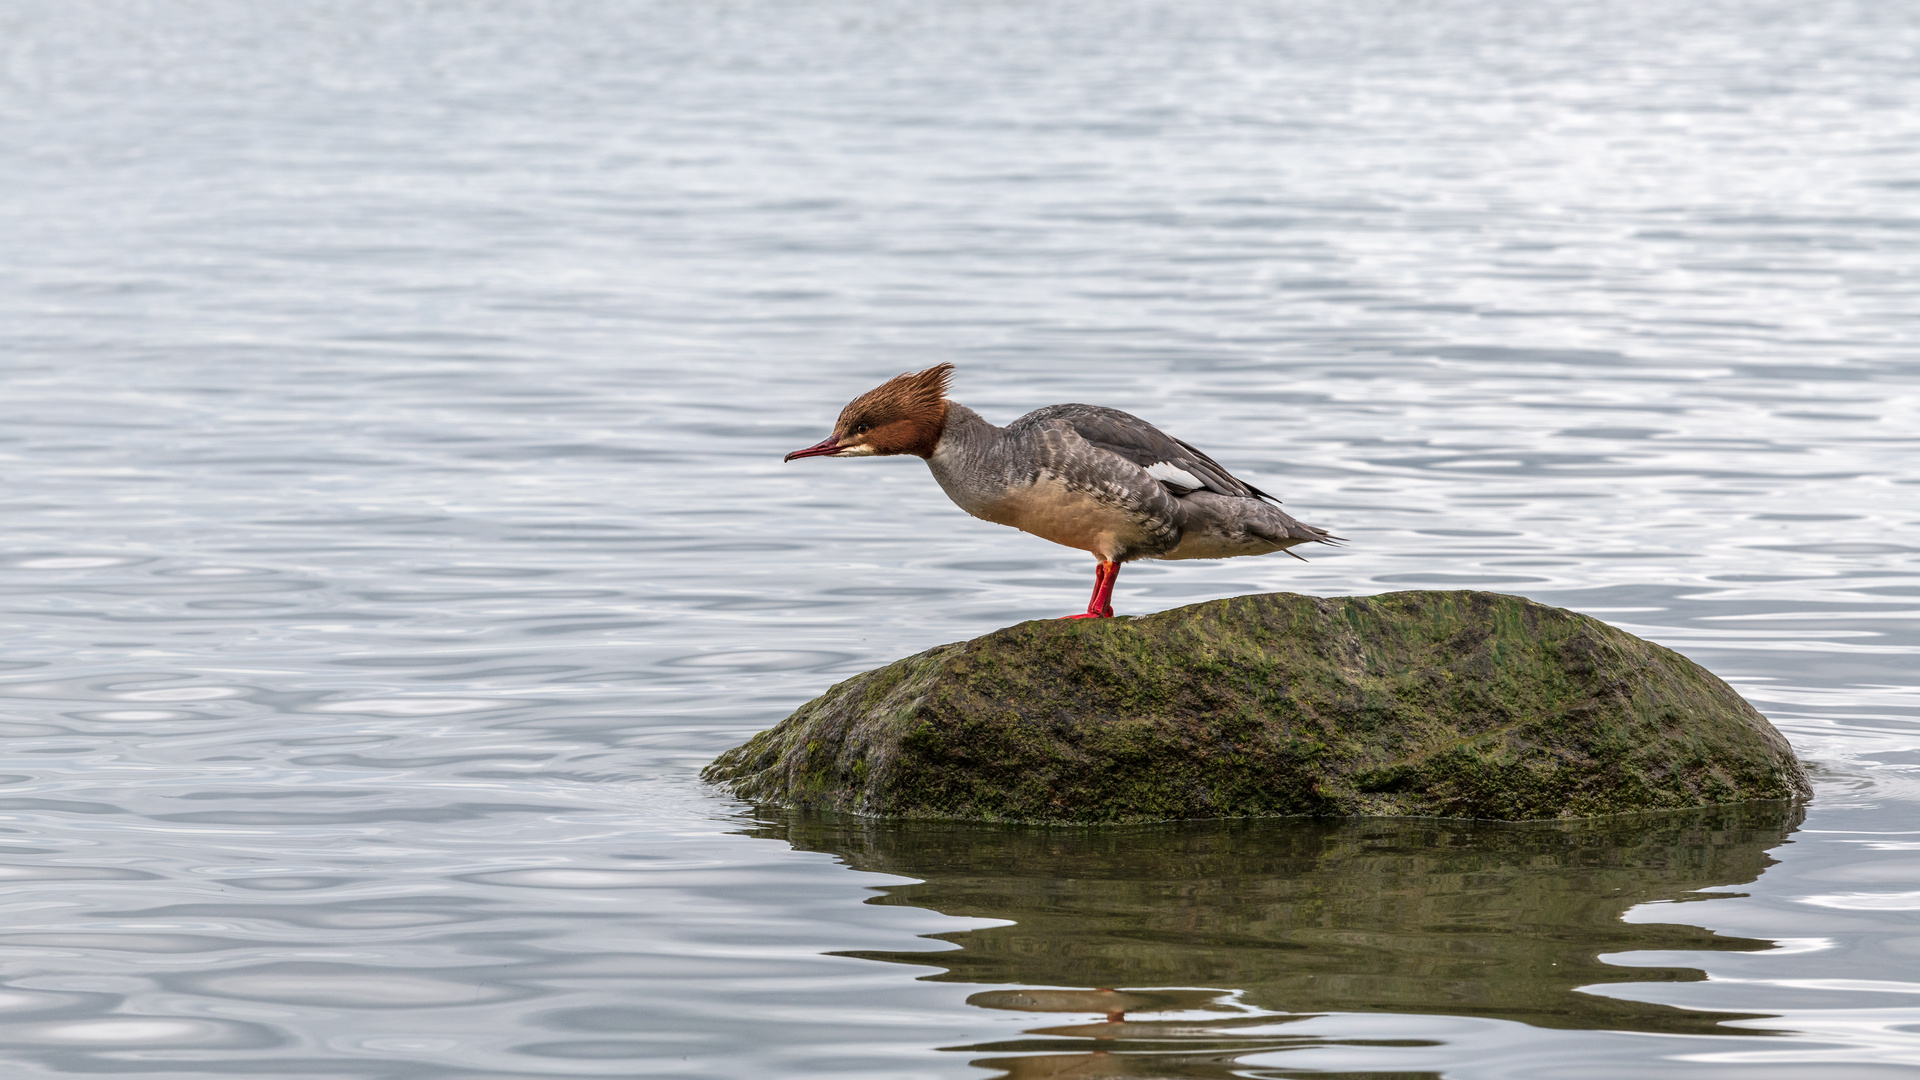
1427	703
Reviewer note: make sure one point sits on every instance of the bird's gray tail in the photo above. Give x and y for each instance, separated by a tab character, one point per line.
1276	526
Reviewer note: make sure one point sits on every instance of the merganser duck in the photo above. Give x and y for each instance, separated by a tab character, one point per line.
1096	479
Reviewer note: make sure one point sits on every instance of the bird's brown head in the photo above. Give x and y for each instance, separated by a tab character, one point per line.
903	415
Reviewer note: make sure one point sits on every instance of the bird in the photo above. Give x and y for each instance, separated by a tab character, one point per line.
1087	477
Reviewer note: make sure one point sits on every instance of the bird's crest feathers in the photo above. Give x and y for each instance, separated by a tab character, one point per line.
904	415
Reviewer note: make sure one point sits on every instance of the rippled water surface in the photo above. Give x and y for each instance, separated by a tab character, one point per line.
395	521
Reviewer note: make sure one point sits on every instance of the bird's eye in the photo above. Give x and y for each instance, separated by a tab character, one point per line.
862	429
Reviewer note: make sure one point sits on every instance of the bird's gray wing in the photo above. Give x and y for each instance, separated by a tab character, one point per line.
1175	464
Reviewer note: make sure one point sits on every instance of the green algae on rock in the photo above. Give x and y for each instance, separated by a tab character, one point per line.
1427	703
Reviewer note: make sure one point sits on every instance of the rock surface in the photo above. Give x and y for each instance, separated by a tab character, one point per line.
1444	704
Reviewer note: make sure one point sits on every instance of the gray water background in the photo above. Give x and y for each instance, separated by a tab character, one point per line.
394	397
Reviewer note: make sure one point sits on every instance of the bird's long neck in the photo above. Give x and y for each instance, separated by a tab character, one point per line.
974	461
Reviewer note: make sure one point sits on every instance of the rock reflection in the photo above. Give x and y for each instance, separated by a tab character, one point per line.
1286	918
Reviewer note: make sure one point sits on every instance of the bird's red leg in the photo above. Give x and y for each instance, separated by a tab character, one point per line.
1101	606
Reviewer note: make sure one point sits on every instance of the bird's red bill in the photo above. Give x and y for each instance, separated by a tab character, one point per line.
828	445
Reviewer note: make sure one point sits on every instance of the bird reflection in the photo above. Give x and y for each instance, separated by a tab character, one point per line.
1116	1004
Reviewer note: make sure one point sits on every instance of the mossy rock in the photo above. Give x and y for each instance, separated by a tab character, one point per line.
1427	703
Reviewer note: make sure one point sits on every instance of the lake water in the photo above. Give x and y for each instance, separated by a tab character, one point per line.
395	521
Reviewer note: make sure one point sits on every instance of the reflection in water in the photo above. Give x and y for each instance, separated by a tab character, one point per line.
1296	917
1190	1048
